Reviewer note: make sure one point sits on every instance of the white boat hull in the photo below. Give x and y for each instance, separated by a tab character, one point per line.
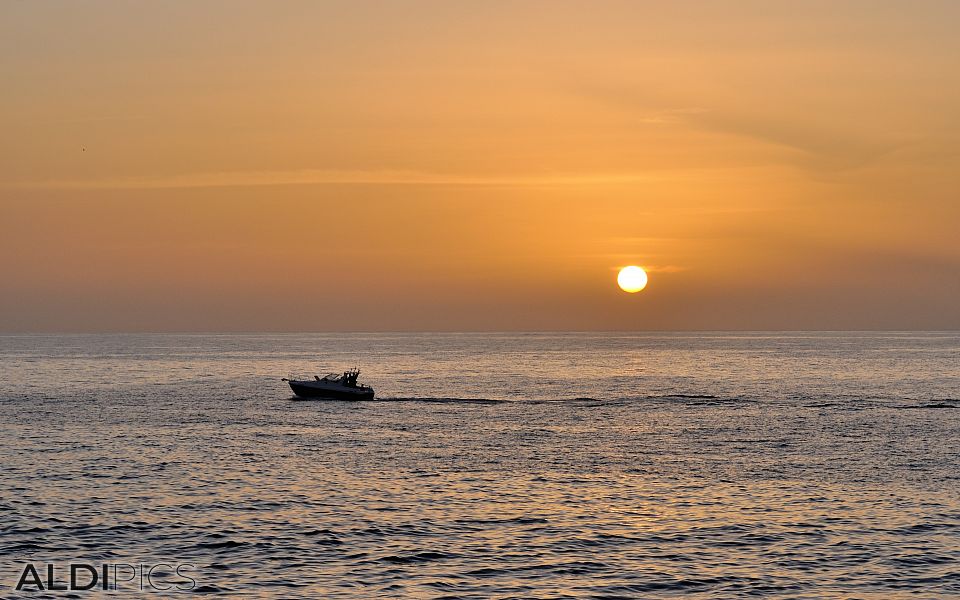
320	390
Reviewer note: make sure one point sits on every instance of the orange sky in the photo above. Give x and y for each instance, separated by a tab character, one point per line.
470	166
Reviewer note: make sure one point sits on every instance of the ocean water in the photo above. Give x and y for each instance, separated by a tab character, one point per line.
708	465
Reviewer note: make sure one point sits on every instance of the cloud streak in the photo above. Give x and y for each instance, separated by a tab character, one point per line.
327	177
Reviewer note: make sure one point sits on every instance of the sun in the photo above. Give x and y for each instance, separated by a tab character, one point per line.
632	279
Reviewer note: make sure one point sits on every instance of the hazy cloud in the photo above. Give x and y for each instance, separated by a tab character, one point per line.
313	176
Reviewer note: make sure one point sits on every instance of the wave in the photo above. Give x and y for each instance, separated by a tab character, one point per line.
944	403
419	557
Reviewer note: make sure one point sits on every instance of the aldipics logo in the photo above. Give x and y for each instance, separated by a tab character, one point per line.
79	577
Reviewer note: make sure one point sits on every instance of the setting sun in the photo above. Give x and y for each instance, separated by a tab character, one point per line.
632	279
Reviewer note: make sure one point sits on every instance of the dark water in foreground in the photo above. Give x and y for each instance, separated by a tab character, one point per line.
538	465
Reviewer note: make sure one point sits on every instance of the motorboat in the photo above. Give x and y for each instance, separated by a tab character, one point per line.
331	387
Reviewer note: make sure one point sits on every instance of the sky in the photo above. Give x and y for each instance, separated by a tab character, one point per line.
460	166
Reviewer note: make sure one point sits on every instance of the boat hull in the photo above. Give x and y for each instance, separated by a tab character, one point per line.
307	391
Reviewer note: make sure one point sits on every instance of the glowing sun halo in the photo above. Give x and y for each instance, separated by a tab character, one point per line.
632	279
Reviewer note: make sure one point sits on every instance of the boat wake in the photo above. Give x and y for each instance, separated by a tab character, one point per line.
444	400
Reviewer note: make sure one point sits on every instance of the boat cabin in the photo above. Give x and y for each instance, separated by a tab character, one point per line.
348	378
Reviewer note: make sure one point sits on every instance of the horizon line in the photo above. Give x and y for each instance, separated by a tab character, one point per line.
468	331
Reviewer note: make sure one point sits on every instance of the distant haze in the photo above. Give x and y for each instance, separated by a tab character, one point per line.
242	166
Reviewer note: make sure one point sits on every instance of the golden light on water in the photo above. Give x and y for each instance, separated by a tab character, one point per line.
632	279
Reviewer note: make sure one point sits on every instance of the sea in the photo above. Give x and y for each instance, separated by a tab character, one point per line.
491	465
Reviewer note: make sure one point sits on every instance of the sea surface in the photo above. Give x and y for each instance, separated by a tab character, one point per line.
694	465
